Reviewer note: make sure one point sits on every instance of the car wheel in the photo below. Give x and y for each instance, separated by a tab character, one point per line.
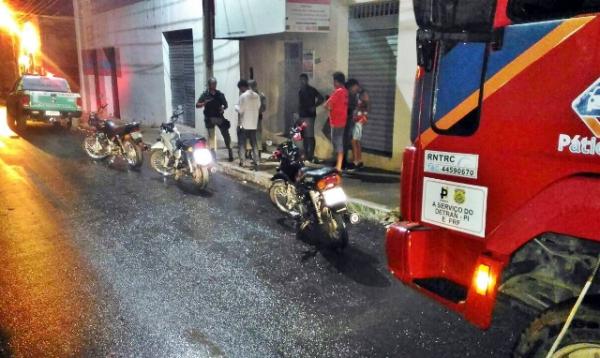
10	120
21	122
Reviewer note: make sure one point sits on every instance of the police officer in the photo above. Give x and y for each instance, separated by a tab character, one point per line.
214	103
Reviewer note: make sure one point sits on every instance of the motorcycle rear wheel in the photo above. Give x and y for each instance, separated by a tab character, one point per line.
90	144
157	162
335	228
133	154
201	177
278	193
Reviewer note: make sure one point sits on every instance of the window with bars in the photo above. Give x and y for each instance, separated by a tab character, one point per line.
375	9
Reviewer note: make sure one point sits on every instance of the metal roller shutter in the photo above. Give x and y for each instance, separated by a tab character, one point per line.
181	58
372	61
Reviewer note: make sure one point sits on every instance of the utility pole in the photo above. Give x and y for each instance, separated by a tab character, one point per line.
208	11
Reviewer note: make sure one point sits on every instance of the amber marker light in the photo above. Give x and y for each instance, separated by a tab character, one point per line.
483	280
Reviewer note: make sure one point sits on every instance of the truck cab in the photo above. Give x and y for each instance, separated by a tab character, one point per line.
44	99
501	186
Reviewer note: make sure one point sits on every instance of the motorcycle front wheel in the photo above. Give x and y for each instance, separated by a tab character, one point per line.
133	154
201	177
335	228
158	158
95	148
278	193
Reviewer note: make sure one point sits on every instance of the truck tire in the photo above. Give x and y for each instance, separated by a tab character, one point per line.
21	122
583	335
10	120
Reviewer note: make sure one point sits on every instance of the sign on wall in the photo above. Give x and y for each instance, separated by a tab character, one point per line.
308	15
308	63
245	18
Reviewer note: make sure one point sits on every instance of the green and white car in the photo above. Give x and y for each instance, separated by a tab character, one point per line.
43	99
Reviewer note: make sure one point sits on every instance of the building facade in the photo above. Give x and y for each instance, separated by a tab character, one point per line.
371	41
145	57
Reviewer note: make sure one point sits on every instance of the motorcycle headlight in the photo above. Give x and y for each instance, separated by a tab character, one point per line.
203	156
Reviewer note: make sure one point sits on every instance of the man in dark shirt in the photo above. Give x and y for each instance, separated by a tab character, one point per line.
309	100
214	103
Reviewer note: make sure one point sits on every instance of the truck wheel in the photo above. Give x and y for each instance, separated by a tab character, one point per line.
21	122
10	120
582	339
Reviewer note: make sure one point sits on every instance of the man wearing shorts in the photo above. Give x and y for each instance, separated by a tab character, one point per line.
309	99
337	104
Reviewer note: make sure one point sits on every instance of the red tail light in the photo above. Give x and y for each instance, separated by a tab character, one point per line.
277	154
329	182
25	100
200	145
79	102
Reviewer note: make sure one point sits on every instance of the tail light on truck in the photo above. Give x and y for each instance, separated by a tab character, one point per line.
79	102
25	100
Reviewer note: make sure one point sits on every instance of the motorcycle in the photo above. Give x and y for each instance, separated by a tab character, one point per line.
181	156
113	138
314	197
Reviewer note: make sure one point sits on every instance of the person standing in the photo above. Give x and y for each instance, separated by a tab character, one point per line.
353	88
360	119
214	103
309	100
337	104
263	107
248	107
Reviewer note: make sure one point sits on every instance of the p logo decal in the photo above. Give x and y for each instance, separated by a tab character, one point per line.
587	107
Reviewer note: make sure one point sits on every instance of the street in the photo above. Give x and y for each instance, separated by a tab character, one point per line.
98	260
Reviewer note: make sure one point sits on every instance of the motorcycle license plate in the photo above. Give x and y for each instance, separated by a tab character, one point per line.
136	135
334	197
53	113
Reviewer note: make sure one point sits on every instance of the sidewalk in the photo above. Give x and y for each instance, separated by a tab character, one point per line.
373	193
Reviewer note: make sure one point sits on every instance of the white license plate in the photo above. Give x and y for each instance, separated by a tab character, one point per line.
136	135
53	113
334	197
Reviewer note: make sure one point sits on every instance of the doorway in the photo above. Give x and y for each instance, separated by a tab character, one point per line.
183	84
293	69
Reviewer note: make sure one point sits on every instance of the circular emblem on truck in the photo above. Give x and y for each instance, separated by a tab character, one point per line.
460	196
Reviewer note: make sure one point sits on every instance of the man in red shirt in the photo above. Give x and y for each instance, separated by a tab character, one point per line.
337	104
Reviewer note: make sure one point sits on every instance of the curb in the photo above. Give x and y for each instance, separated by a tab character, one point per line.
365	209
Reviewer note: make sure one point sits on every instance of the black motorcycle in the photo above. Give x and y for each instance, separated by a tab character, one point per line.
182	155
114	138
314	197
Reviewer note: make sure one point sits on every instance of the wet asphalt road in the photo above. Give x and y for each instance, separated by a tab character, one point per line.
101	261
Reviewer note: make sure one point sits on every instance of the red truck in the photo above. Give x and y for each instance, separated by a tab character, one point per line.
501	186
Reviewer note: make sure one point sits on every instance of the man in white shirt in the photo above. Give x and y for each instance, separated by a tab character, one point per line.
248	108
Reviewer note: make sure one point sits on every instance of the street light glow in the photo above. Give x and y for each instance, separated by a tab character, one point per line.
30	39
27	34
7	19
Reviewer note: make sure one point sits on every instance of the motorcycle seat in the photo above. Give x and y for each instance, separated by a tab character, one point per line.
120	127
318	174
189	140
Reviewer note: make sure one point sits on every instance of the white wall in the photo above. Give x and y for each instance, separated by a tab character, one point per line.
136	31
407	59
266	55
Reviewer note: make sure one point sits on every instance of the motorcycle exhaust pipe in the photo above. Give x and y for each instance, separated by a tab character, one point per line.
354	218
